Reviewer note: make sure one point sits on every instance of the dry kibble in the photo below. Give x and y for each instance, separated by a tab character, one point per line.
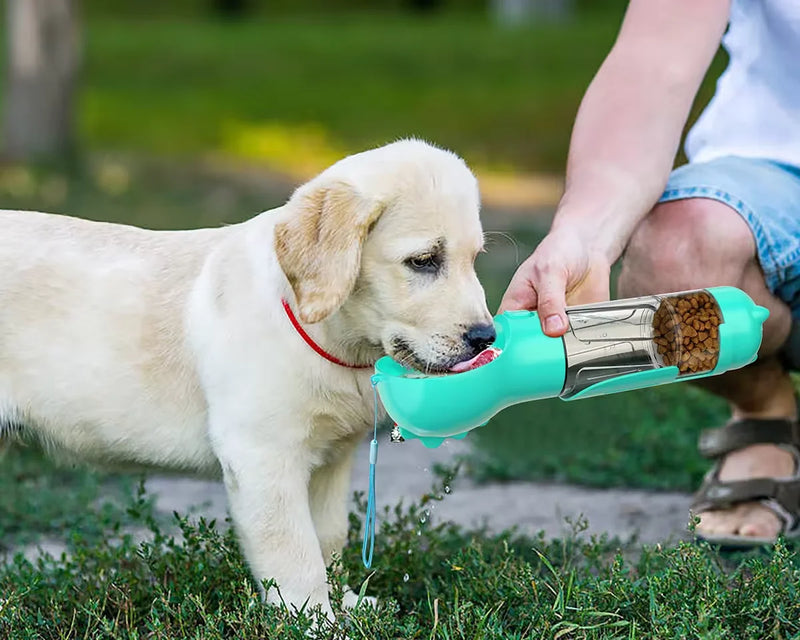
685	331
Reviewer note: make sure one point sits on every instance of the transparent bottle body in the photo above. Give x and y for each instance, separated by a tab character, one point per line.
622	337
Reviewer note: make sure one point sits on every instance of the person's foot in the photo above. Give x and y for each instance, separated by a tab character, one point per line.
763	391
750	519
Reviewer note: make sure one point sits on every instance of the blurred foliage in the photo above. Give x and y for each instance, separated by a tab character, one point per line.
150	193
503	99
294	91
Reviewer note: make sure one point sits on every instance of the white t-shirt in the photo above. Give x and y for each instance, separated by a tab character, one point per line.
755	111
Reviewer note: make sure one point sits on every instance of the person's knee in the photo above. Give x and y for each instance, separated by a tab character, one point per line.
686	244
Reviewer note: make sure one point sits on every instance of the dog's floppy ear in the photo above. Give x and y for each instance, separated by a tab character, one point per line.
319	246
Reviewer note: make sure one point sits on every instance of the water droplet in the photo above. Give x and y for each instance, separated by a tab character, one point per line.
405	578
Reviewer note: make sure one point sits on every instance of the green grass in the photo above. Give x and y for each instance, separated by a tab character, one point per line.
645	439
39	499
339	83
148	192
297	91
432	581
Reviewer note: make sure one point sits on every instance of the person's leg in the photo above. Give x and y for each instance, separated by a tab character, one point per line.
696	243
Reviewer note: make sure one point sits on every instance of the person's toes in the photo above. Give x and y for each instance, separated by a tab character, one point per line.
752	520
711	522
760	522
727	522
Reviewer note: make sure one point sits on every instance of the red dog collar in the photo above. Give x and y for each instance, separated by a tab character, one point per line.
314	345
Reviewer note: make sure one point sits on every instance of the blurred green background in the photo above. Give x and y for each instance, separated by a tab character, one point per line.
193	113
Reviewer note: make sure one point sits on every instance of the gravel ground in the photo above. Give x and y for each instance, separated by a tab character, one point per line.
405	471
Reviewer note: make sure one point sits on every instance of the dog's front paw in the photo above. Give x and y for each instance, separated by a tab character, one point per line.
350	599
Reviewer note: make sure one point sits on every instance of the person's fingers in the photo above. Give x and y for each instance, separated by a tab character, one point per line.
520	293
596	287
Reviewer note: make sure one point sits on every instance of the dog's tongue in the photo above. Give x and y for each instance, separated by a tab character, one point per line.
484	357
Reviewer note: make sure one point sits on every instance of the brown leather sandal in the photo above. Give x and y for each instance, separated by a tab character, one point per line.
779	495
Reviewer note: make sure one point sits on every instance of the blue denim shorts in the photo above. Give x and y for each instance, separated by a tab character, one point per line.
767	196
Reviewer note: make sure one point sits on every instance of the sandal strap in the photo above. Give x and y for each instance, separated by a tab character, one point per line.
715	443
715	494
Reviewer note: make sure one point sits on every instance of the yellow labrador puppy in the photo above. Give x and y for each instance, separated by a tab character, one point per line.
246	351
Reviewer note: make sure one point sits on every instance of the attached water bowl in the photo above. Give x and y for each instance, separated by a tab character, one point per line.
432	408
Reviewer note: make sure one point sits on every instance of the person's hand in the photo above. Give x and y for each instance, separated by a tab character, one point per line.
564	269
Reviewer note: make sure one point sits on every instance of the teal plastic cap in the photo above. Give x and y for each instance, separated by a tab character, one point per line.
740	333
760	314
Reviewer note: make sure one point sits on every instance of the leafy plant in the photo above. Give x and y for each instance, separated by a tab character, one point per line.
431	580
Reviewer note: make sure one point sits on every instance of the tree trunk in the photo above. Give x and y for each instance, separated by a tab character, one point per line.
42	65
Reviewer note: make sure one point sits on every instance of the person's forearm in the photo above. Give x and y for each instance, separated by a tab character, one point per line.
629	124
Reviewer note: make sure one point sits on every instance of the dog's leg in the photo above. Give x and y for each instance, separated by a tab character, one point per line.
328	492
267	488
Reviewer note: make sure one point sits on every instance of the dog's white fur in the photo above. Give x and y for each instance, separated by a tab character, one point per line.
171	349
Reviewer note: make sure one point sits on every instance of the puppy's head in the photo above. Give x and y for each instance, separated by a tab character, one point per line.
385	241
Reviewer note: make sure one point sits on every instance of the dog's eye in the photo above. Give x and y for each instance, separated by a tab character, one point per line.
426	263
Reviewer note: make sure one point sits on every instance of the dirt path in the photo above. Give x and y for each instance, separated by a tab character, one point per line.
405	471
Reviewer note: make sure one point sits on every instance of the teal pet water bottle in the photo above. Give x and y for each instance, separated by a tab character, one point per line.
609	347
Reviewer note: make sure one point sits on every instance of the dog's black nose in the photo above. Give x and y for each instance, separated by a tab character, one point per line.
479	337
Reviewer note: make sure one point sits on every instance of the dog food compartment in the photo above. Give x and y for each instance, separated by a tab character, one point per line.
618	338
